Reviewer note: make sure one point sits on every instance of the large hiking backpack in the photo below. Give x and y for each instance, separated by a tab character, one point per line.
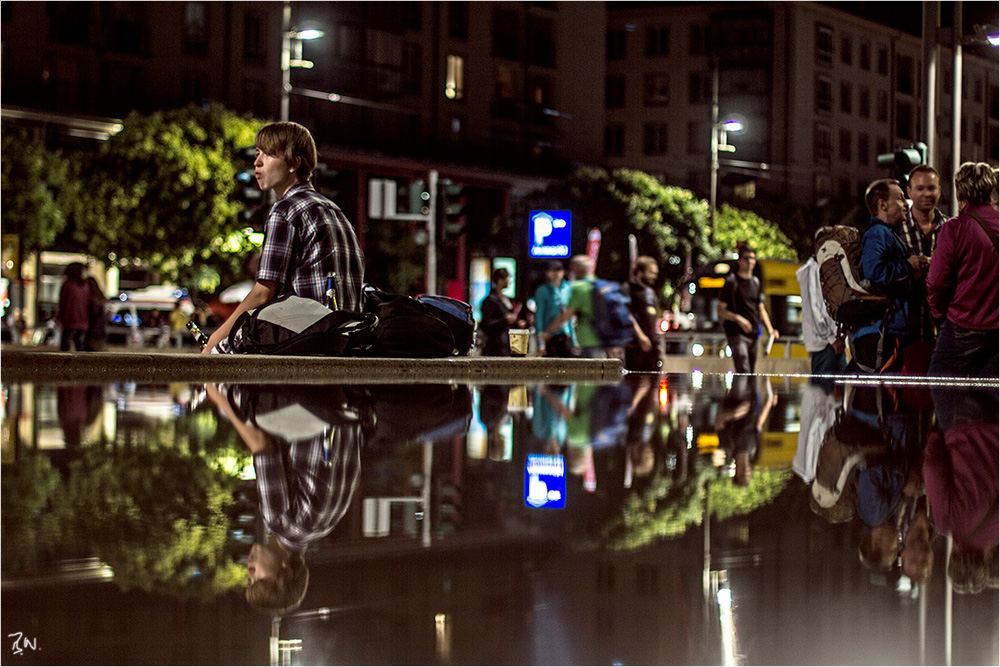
295	325
850	299
612	316
423	327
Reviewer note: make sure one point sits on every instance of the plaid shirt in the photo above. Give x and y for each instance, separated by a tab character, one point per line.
306	238
918	243
305	487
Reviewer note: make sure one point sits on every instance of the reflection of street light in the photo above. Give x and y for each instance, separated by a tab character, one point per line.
292	40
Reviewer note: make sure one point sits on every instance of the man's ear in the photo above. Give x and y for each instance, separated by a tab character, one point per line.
295	164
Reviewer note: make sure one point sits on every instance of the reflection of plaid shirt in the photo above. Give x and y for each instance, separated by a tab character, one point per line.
305	487
306	238
917	243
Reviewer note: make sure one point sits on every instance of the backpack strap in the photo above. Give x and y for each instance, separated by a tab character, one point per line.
982	223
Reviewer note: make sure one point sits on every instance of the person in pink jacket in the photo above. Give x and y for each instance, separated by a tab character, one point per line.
962	282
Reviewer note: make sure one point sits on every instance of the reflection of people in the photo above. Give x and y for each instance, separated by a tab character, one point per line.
551	410
962	284
499	313
304	487
739	425
741	311
73	313
308	241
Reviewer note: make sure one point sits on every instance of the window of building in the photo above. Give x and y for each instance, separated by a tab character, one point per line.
904	120
699	87
195	29
507	88
904	75
654	139
540	90
506	34
541	41
69	22
823	185
454	78
882	107
128	27
657	89
458	19
845	145
864	102
823	144
846	97
846	50
614	44
614	140
824	44
254	49
865	56
614	92
881	146
657	42
412	57
697	40
824	93
864	149
883	60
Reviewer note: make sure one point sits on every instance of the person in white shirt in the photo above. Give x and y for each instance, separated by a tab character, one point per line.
824	343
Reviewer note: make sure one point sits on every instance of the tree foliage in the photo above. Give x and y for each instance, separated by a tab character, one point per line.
37	189
733	225
161	190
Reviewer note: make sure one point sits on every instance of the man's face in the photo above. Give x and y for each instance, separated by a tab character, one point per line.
262	563
893	209
555	276
747	261
649	275
924	190
273	172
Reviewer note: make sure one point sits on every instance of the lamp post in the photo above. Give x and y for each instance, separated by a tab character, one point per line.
291	40
719	143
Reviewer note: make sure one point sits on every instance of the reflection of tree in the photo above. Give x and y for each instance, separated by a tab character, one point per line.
668	507
31	530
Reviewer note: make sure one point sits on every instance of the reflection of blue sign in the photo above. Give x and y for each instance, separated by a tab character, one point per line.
545	481
550	233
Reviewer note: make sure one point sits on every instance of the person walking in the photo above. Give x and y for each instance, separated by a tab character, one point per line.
643	354
741	311
962	282
550	301
73	310
97	332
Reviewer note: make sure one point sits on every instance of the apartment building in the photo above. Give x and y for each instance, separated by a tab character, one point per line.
820	92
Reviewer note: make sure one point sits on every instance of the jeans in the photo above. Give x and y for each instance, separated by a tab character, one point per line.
744	349
961	352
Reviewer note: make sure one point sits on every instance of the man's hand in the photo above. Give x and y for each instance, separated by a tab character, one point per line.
919	264
745	325
838	346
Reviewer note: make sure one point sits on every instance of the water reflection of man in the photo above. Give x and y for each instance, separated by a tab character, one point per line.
739	424
304	487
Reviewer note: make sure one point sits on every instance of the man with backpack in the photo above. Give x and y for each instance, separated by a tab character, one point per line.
598	307
741	311
880	346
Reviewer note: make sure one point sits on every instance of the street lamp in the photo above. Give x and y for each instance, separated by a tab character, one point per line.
719	143
291	53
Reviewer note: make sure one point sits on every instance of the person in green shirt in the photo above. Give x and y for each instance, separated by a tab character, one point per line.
580	305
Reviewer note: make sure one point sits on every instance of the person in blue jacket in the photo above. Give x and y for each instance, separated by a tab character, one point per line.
885	262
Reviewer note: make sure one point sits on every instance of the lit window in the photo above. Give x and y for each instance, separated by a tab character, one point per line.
454	87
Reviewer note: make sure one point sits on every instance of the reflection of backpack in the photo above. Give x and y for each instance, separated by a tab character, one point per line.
424	327
850	299
295	325
612	316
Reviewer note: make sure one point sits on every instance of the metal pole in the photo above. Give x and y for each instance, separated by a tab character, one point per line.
286	65
714	178
931	21
432	188
956	104
426	495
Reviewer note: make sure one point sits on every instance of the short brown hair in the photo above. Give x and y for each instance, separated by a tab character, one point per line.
878	191
284	591
975	183
292	142
922	169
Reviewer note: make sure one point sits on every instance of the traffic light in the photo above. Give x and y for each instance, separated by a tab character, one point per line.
454	200
247	192
903	160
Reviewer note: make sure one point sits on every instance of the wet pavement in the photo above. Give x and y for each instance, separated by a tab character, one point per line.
643	519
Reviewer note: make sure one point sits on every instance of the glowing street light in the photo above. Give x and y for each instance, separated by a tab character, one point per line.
292	40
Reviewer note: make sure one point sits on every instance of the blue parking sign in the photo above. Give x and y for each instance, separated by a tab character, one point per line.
550	233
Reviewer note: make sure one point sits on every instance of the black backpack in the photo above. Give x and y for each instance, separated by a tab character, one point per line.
612	316
295	325
424	327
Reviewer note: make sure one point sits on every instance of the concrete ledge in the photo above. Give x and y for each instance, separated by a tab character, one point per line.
31	365
765	366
